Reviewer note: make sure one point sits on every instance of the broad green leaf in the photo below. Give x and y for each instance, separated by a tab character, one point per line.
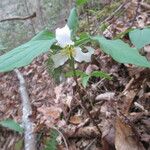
140	37
84	80
11	124
81	2
83	39
24	54
122	52
100	74
73	20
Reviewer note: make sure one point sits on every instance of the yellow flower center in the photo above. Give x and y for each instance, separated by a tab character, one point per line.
69	51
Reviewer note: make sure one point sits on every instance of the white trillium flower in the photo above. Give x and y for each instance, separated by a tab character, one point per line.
63	37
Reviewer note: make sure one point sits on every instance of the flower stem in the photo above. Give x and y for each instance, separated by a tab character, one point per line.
83	105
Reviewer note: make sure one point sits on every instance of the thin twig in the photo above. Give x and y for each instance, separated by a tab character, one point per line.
19	18
29	136
89	146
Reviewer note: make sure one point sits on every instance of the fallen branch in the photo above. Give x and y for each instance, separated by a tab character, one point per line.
29	137
19	18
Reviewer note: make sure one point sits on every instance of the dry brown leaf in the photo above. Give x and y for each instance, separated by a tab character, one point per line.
125	138
75	120
90	68
58	93
128	100
51	111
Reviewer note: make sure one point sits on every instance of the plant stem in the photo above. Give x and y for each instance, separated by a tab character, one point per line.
81	97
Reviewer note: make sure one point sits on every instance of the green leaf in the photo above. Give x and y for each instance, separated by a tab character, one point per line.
73	20
81	2
24	54
100	74
121	52
79	73
11	124
83	39
140	37
84	80
51	143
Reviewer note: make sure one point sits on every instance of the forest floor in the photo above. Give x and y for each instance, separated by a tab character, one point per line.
120	107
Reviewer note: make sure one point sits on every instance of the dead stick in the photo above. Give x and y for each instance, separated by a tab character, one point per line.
19	18
29	137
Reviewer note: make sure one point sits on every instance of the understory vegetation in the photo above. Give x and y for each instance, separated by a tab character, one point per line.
79	83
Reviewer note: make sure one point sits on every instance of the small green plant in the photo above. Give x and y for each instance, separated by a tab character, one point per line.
85	77
12	125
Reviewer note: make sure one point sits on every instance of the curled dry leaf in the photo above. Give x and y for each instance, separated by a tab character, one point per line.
91	68
125	137
105	96
75	120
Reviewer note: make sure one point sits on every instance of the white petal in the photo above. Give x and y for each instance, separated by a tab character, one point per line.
80	56
63	36
59	59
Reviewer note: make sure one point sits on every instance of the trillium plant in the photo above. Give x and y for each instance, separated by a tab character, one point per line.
65	46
